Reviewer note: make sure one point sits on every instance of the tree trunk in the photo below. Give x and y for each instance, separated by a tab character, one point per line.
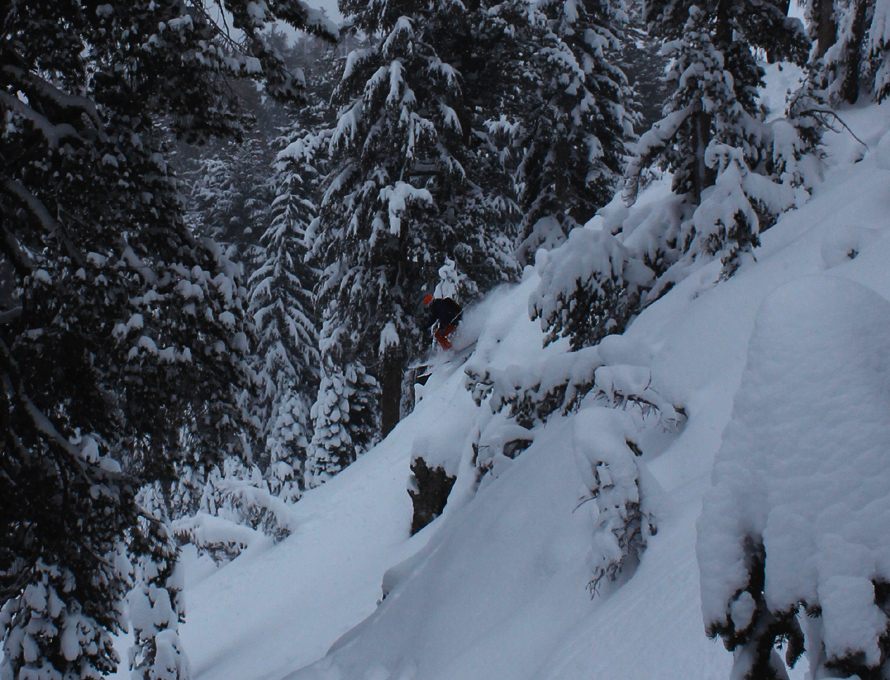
392	373
850	86
703	175
826	26
701	120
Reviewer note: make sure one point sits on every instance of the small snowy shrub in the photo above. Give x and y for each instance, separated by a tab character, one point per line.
500	439
530	395
49	635
608	392
607	374
607	461
156	610
590	288
236	505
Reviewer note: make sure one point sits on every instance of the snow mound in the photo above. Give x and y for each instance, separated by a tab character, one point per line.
801	484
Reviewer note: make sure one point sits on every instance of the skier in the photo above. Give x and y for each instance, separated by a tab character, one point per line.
446	313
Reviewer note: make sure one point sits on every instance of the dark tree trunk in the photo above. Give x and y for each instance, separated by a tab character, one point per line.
826	26
703	176
850	86
392	373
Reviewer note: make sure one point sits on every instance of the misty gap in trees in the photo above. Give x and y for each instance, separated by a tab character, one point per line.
216	240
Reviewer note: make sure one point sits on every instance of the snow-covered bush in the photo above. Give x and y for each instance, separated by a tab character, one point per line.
156	609
499	439
590	287
49	635
797	517
606	457
531	394
220	511
614	373
344	422
239	497
736	209
607	391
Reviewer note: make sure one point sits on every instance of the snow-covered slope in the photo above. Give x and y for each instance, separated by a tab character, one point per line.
277	608
496	588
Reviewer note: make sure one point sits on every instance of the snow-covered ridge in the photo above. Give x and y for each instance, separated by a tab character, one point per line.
498	586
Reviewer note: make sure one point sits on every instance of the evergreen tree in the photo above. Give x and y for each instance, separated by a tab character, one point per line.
409	187
231	193
644	65
857	53
156	606
713	134
843	61
879	48
282	288
122	337
344	421
575	149
281	301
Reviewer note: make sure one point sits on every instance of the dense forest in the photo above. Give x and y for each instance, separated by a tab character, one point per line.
217	239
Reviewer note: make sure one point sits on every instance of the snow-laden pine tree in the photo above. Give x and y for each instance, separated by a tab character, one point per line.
725	159
879	48
345	418
155	605
409	187
231	192
282	304
590	287
575	148
644	66
856	54
345	422
839	59
732	172
122	336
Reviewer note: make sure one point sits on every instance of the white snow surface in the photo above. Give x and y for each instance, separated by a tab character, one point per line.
496	588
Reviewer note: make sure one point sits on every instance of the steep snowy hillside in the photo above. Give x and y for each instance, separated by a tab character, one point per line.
497	587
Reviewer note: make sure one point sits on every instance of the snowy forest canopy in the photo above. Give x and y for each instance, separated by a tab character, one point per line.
217	240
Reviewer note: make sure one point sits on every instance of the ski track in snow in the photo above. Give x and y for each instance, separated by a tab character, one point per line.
497	586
